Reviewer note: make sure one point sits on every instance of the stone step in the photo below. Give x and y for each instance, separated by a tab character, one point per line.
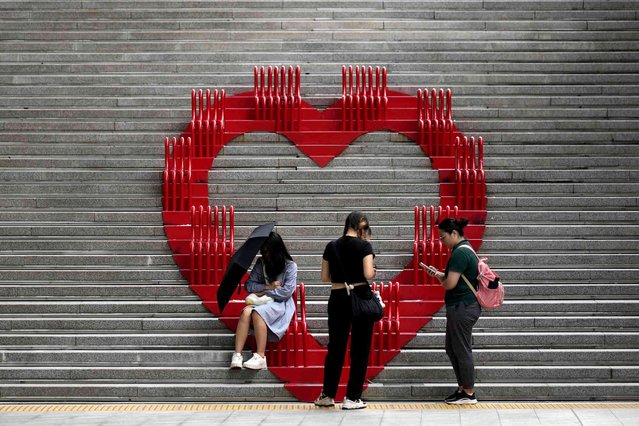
91	246
500	339
286	218
522	290
94	290
181	98
391	374
155	274
508	391
260	8
328	31
550	307
220	357
144	374
66	306
318	232
370	203
554	175
120	339
205	322
202	321
522	323
545	374
301	18
327	46
225	68
383	259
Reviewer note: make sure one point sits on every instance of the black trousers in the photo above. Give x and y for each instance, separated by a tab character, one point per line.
460	320
340	323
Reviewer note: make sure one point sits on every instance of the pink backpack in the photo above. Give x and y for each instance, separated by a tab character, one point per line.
490	293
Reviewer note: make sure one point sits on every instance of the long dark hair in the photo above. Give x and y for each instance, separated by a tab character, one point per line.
275	260
449	225
356	221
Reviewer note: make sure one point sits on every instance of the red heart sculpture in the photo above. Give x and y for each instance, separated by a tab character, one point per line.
275	105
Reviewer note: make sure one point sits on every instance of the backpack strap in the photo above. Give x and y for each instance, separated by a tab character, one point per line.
471	249
464	276
470	285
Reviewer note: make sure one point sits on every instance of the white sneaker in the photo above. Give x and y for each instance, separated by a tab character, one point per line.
255	363
353	405
236	361
324	401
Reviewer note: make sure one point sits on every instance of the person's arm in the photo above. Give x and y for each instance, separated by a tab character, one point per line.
255	282
369	267
325	275
449	281
283	290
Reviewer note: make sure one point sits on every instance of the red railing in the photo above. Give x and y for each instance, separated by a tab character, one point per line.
386	332
363	98
435	121
177	177
470	178
211	247
277	96
427	247
208	122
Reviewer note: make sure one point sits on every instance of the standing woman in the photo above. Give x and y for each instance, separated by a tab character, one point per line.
274	275
462	308
348	259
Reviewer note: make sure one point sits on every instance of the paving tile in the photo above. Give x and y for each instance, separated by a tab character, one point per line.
597	417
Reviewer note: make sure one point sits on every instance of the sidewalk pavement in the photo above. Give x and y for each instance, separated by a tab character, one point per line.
382	414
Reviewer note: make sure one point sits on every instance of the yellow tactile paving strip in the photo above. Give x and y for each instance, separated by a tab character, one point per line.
300	406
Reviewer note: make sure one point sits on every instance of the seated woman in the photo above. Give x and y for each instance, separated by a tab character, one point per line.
274	275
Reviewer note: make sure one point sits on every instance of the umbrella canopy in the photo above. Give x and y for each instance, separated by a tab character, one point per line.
240	262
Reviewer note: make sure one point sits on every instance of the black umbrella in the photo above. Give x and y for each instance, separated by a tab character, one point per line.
240	263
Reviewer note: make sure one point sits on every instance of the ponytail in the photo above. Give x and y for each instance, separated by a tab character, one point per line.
356	221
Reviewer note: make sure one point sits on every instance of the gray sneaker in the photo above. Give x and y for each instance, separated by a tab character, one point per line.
324	401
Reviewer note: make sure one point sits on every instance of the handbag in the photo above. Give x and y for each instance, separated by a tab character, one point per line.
254	299
362	308
368	309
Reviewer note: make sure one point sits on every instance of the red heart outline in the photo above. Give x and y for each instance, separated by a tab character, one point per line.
321	138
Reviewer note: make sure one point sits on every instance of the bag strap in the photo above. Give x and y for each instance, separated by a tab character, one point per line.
471	249
464	276
469	285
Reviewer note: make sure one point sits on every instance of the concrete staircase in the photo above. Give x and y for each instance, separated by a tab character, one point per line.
92	306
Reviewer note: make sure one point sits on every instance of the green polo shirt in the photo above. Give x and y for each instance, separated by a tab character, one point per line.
464	262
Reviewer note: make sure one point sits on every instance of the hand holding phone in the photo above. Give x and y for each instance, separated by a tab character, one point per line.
430	270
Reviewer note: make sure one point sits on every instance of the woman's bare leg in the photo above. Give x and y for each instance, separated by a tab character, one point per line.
259	327
242	331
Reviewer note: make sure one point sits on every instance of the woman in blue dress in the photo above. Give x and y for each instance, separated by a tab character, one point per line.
274	276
